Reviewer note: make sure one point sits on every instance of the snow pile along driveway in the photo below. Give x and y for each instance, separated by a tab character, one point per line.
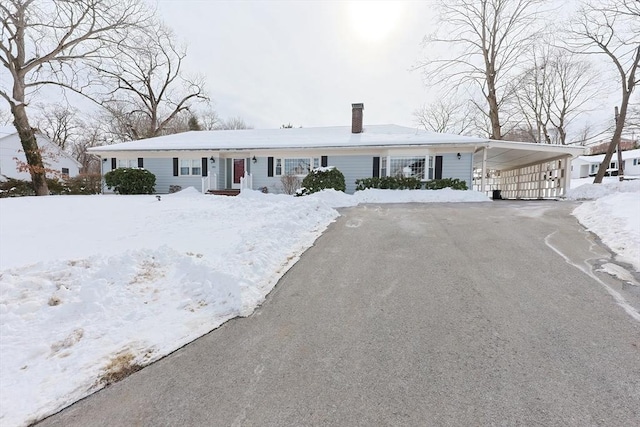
614	215
92	287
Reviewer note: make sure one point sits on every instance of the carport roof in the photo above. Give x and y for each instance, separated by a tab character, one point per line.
507	155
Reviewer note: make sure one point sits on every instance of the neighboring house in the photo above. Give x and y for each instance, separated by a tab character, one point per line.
585	166
257	159
12	155
601	147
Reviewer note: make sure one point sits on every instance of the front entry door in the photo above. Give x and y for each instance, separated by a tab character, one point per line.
238	172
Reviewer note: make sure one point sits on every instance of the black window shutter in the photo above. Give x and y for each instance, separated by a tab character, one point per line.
269	166
205	171
140	162
438	167
113	163
175	166
376	167
324	161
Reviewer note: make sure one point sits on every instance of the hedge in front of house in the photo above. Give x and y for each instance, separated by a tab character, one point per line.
389	183
130	181
81	184
439	184
322	179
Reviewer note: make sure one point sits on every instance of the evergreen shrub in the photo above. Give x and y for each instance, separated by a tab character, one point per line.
81	184
321	179
130	181
438	184
389	183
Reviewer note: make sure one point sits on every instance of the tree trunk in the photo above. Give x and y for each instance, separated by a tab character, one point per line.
615	141
620	164
31	150
496	132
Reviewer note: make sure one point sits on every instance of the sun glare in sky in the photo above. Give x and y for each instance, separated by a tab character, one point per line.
373	21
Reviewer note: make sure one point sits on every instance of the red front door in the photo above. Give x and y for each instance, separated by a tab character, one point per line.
238	172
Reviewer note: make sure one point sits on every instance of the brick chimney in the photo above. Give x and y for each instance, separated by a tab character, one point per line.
356	117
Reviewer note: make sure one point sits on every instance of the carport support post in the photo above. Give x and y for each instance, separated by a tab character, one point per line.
567	175
484	170
540	181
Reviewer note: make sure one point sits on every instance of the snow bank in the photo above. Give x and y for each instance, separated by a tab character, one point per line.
591	191
615	218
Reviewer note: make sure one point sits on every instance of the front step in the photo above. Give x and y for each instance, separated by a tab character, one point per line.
227	192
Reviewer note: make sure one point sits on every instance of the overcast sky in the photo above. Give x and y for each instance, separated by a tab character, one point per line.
305	62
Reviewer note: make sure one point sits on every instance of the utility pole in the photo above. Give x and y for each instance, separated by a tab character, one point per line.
620	163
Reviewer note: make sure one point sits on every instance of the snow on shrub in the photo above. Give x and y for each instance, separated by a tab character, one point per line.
321	179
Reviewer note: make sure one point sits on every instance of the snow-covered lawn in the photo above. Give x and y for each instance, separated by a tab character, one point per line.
93	286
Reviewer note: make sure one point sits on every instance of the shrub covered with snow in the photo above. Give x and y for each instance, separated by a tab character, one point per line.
322	179
130	181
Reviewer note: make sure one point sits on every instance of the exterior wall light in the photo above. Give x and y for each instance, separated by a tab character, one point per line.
254	160
459	156
213	159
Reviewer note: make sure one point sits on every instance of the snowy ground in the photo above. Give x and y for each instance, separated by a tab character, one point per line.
91	286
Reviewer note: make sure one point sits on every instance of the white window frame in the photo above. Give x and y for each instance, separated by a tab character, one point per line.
127	163
194	165
280	163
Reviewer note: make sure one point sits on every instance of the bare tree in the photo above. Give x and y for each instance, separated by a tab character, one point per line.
611	28
487	41
552	92
44	43
290	183
234	123
447	116
91	135
149	90
59	123
209	119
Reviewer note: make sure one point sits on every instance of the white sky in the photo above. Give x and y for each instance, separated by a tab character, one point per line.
305	62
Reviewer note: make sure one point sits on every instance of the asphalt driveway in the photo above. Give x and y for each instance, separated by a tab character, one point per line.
407	315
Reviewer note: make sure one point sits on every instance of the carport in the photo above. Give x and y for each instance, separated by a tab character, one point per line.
519	170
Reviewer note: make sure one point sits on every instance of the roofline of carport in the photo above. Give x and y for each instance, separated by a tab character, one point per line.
550	159
538	147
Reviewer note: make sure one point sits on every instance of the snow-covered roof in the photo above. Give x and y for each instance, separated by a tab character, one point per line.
7	130
626	155
320	137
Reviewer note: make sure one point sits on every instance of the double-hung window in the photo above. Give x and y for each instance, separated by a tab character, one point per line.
127	163
190	167
295	166
421	167
410	167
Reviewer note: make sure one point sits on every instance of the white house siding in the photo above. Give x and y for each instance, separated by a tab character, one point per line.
630	168
54	158
461	169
